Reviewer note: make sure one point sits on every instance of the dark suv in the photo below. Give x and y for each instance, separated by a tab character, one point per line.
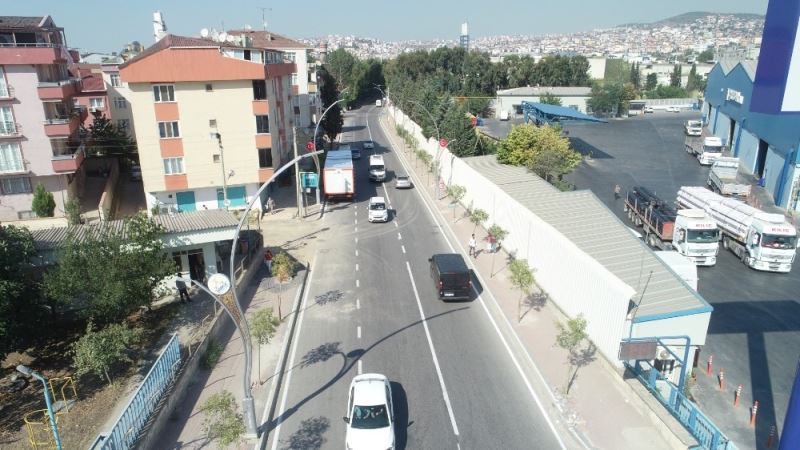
451	276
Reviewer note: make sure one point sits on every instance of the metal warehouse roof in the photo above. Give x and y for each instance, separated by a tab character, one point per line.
582	218
186	222
536	91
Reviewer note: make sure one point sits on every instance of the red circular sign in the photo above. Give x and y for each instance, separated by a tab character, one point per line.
443	142
310	146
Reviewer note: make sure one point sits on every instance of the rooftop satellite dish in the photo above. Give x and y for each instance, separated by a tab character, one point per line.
204	32
223	36
231	38
214	35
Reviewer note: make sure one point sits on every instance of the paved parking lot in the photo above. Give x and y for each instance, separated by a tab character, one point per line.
755	328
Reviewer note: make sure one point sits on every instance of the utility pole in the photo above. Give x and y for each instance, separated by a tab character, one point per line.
225	202
297	174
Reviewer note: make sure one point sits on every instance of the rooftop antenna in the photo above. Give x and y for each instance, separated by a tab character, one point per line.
264	16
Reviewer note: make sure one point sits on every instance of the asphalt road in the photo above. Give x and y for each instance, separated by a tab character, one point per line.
755	327
371	307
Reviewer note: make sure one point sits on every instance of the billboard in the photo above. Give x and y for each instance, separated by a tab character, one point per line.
777	85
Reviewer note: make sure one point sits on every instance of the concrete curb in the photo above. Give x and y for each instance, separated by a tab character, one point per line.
277	378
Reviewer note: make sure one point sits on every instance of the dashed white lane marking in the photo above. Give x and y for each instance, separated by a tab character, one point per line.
395	224
357	283
358	304
356	252
356	221
356	240
355	213
360	367
399	236
433	352
356	228
358	331
356	267
403	247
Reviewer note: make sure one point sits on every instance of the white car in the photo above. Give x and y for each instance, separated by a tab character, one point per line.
402	182
370	417
377	211
673	109
648	110
368	145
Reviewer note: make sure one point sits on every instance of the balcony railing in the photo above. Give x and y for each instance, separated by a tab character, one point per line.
31	44
7	92
68	159
10	130
55	90
61	125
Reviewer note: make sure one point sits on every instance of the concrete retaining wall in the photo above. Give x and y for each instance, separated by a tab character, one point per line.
104	208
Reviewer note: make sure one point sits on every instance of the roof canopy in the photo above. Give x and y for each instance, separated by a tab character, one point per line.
544	113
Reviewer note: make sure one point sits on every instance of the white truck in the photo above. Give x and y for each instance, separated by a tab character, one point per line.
338	177
723	178
707	149
763	241
377	169
693	128
683	266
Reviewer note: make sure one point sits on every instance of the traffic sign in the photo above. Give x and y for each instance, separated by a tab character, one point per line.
309	180
443	142
310	146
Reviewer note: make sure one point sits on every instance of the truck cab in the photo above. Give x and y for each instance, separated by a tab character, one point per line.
693	128
711	150
696	236
771	243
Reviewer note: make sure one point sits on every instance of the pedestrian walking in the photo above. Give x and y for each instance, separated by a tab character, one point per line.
617	191
268	262
181	286
271	205
472	245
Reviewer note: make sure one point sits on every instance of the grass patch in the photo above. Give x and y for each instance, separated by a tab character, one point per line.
212	354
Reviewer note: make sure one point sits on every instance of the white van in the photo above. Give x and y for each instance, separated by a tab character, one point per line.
378	103
377	170
377	210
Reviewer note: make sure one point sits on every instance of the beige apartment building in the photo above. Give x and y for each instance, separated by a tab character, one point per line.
207	114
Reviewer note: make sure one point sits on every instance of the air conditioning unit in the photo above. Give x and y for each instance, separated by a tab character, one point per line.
92	109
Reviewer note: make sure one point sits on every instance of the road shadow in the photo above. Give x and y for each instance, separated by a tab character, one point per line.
588	150
310	436
401	423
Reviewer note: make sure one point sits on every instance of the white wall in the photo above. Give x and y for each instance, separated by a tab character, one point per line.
576	283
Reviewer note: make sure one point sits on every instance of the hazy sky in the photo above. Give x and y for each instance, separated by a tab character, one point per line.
107	25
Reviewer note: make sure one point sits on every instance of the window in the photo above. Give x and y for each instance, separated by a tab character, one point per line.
96	103
3	86
291	56
294	79
212	123
259	90
115	82
123	124
168	130
264	157
20	185
164	93
7	126
216	158
11	158
262	124
120	103
173	166
209	87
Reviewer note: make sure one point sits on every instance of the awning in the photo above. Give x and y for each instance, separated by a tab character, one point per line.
545	113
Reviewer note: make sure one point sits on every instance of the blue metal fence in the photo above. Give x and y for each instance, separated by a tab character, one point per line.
134	417
683	409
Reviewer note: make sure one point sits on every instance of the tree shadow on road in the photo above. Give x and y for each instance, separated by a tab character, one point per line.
309	436
533	302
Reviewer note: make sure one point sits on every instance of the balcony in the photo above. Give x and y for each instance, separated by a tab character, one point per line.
10	130
57	90
6	92
32	53
61	126
68	160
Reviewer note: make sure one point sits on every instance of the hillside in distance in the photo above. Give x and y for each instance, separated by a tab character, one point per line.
690	17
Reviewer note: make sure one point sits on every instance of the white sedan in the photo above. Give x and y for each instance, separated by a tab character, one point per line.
370	418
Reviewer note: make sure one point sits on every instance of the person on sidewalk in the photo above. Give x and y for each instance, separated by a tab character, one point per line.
268	262
617	191
271	205
181	286
472	245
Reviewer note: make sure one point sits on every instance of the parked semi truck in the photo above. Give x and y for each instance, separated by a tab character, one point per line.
723	178
689	232
338	177
761	240
705	148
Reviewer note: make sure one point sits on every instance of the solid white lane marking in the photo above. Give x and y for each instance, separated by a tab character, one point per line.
425	198
360	367
292	355
357	283
356	267
403	247
358	331
358	304
433	352
399	236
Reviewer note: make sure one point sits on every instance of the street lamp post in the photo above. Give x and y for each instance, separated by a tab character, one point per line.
53	425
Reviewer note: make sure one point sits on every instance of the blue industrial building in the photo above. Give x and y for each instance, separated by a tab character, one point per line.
766	144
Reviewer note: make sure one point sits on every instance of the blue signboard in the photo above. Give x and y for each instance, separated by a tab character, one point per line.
776	88
309	180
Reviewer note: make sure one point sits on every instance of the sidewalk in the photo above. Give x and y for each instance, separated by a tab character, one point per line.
606	411
282	232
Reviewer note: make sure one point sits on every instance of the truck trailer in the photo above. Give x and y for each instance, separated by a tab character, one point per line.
763	241
724	178
338	177
689	232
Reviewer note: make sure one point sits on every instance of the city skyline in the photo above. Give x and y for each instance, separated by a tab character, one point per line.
357	18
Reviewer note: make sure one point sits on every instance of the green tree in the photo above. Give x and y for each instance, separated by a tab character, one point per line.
611	99
651	81
675	76
333	121
706	55
496	236
477	216
221	420
636	76
668	92
107	273
20	309
105	138
263	326
456	192
457	127
550	99
44	205
541	149
521	277
73	210
570	337
341	65
283	269
99	352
